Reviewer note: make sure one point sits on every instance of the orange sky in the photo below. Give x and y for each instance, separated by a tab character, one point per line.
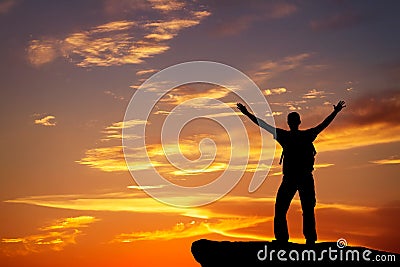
70	70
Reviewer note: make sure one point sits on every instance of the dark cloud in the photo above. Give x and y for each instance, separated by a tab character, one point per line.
382	107
238	16
337	21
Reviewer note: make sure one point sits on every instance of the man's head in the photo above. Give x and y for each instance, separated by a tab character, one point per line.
293	120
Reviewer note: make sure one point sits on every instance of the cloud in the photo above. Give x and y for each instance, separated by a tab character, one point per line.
167	5
382	107
290	105
185	93
114	131
114	26
56	236
386	161
224	227
111	158
268	69
115	7
275	91
117	42
314	93
352	136
114	95
121	201
251	13
165	30
279	10
234	26
369	120
92	48
145	187
48	120
43	51
144	72
246	217
72	222
108	159
349	131
141	203
337	21
7	5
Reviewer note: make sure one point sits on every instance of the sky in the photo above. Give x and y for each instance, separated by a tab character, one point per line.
70	195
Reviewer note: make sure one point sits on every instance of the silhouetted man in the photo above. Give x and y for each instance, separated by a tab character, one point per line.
298	165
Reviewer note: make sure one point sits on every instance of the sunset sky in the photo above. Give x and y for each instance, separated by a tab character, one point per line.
70	68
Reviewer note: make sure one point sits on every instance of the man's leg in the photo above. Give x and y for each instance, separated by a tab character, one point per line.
285	194
308	201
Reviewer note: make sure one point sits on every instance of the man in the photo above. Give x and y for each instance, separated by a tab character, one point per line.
298	165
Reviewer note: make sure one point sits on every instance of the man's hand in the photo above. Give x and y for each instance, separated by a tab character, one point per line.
339	106
242	108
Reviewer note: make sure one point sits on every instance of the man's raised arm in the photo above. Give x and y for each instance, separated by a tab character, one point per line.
329	119
256	120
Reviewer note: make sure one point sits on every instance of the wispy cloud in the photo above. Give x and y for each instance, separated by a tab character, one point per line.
55	236
337	21
114	131
145	187
43	51
48	120
68	223
268	69
118	42
251	13
165	30
167	5
132	202
141	203
184	93
232	216
108	159
7	5
314	93
224	227
386	161
92	48
144	72
290	105
114	95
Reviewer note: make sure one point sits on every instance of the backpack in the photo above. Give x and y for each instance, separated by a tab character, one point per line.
298	155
